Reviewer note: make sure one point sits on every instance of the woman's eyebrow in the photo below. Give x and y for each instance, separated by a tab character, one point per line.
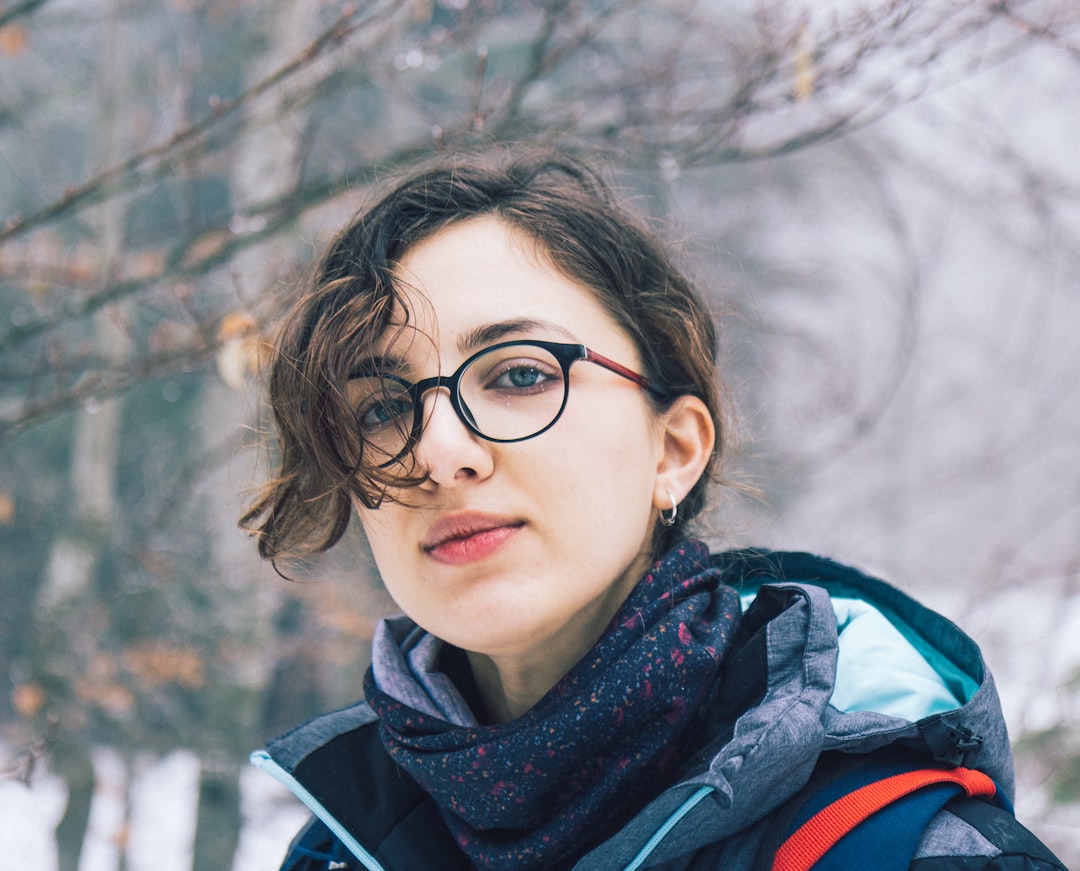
375	365
488	334
468	342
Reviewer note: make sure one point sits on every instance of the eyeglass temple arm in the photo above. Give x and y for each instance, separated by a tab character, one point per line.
629	374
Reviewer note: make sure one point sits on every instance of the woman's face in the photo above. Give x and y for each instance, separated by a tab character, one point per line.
509	549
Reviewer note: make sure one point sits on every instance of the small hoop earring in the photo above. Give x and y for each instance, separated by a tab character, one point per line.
669	519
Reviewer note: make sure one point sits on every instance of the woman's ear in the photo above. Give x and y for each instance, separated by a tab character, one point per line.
688	437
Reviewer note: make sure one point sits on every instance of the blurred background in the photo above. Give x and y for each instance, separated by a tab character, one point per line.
881	199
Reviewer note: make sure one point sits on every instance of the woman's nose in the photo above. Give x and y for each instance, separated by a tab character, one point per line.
448	451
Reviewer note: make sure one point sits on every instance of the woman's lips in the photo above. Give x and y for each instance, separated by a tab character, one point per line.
469	537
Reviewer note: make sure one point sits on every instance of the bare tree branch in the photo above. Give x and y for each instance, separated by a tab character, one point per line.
17	10
686	102
157	159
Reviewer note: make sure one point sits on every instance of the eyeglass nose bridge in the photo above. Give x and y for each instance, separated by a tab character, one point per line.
450	382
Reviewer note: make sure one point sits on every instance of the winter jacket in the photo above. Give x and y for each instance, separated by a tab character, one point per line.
830	662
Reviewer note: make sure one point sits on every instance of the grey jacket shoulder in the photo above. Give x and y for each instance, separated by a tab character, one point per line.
969	834
789	647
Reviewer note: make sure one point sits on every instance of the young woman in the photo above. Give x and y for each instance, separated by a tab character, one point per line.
506	380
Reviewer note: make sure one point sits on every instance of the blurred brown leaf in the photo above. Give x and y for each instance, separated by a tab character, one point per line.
28	699
146	265
241	349
206	248
13	40
157	663
7	508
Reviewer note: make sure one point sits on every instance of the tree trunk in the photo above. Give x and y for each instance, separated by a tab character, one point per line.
69	619
265	168
218	823
71	831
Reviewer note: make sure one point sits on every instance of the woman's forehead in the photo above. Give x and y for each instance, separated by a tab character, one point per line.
482	281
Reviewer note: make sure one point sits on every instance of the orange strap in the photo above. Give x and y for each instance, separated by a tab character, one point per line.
814	838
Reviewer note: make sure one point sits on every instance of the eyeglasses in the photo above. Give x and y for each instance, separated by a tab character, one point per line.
508	392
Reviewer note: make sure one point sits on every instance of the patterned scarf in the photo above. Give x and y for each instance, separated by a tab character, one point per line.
544	788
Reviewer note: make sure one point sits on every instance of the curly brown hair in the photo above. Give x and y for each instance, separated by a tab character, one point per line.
353	298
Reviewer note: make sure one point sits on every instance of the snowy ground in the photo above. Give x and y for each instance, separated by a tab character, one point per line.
159	834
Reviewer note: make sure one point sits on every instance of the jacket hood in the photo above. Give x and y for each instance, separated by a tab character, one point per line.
826	658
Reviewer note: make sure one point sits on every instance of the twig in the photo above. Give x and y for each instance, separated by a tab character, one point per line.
137	163
20	9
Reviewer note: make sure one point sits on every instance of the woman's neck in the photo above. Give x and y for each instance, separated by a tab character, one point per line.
509	685
506	691
512	682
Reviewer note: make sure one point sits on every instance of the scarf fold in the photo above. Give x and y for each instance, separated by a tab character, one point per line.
543	788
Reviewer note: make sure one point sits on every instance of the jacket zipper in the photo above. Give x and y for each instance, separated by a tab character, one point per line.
264	762
692	802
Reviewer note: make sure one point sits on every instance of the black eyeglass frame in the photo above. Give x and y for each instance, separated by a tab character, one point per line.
565	353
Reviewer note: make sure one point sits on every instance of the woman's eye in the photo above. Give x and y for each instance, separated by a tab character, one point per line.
377	407
378	414
528	376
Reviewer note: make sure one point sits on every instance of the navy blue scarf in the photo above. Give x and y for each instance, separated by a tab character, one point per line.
544	788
